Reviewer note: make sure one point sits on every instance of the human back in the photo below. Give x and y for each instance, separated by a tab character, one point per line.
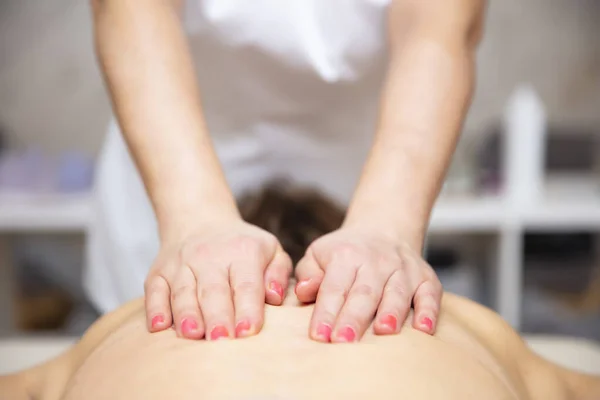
458	362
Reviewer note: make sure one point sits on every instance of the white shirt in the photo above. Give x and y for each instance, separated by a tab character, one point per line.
290	89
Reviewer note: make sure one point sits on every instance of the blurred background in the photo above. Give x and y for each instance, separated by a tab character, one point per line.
516	226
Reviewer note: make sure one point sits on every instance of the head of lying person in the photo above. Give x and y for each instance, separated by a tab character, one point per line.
296	216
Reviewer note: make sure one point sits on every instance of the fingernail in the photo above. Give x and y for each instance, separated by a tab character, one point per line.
390	321
157	320
347	334
219	332
241	328
274	286
300	284
188	326
427	322
324	332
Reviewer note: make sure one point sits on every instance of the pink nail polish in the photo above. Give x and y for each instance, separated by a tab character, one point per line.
427	322
241	328
347	334
157	320
324	332
390	322
274	286
188	326
219	332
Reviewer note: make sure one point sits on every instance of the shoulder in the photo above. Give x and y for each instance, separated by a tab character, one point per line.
539	377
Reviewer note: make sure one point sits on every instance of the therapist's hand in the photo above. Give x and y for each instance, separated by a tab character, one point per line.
215	284
357	276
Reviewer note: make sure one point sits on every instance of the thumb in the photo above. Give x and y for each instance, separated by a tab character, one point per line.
309	275
277	277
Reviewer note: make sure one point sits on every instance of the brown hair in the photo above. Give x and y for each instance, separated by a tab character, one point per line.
296	216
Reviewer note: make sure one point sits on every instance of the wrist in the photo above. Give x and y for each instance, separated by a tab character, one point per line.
395	226
177	221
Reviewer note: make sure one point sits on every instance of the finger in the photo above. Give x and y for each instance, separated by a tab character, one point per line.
214	295
427	305
309	276
248	287
332	295
277	277
184	303
360	306
157	303
394	307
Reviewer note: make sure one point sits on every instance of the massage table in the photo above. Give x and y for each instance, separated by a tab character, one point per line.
579	354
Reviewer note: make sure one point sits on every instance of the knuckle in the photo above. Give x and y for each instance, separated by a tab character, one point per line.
245	287
427	302
245	245
214	290
428	272
436	286
198	249
429	289
389	259
182	293
346	251
270	238
366	291
153	285
335	289
397	288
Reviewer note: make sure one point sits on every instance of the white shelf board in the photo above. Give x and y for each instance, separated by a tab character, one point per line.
468	214
73	212
41	213
563	216
567	205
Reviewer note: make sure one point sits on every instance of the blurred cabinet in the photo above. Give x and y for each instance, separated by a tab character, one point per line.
26	214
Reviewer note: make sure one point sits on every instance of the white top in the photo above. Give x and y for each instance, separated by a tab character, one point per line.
290	90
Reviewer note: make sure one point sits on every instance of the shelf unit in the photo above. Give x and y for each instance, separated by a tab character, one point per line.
465	215
45	213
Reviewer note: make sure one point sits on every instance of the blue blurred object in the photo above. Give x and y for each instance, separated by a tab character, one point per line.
75	172
28	171
32	171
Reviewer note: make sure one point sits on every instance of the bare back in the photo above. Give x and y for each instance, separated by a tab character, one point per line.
474	354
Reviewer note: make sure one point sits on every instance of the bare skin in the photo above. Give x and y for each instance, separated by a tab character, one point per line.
214	271
474	354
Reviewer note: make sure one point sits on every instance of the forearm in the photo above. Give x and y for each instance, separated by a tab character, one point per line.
424	101
149	73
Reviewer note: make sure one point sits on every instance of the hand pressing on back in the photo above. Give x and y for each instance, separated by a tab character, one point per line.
358	277
214	283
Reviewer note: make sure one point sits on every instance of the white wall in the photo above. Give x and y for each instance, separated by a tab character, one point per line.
554	44
51	93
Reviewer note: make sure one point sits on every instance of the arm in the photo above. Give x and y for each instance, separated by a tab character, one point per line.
373	264
426	95
213	272
147	66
